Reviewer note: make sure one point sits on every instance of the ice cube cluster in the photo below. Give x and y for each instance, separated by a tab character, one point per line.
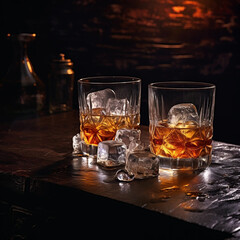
126	140
106	101
127	148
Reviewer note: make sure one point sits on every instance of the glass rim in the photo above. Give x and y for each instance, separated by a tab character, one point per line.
105	80
182	85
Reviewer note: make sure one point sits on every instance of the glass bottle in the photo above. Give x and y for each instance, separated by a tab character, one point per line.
21	90
61	85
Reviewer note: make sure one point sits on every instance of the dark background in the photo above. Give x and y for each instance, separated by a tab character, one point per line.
156	40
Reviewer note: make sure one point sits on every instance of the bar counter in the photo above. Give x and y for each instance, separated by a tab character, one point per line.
47	193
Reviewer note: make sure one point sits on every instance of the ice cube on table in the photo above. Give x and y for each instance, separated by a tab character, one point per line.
142	164
123	176
117	107
131	137
183	113
100	98
80	148
111	153
76	143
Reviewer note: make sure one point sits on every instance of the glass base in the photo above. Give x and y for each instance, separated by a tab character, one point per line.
185	164
88	149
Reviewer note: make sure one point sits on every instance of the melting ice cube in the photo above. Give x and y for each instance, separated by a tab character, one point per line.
100	98
183	113
111	153
117	107
131	137
123	176
142	164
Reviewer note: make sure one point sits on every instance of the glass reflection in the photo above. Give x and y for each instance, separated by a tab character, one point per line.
174	180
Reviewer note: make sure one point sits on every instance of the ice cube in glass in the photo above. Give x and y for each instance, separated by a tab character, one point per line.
142	164
111	153
183	113
100	98
117	107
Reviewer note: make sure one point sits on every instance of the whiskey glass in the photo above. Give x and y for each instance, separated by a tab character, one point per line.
106	104
181	123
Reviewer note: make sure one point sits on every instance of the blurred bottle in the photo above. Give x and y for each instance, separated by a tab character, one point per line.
21	90
61	85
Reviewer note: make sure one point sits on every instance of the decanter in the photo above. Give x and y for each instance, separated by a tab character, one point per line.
22	93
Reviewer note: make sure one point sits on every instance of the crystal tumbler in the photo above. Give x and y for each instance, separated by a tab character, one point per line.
107	104
181	123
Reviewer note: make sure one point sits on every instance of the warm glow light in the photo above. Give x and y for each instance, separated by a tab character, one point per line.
29	65
189	14
69	71
178	9
191	3
175	15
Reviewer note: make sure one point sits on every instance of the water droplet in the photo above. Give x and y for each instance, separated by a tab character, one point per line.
123	176
197	205
192	206
197	195
172	188
192	194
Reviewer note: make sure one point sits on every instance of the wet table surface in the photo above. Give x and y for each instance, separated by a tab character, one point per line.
36	160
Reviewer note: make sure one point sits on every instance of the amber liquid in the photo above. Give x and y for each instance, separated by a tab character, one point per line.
182	141
98	127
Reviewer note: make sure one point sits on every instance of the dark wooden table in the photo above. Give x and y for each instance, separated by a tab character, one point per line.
47	193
